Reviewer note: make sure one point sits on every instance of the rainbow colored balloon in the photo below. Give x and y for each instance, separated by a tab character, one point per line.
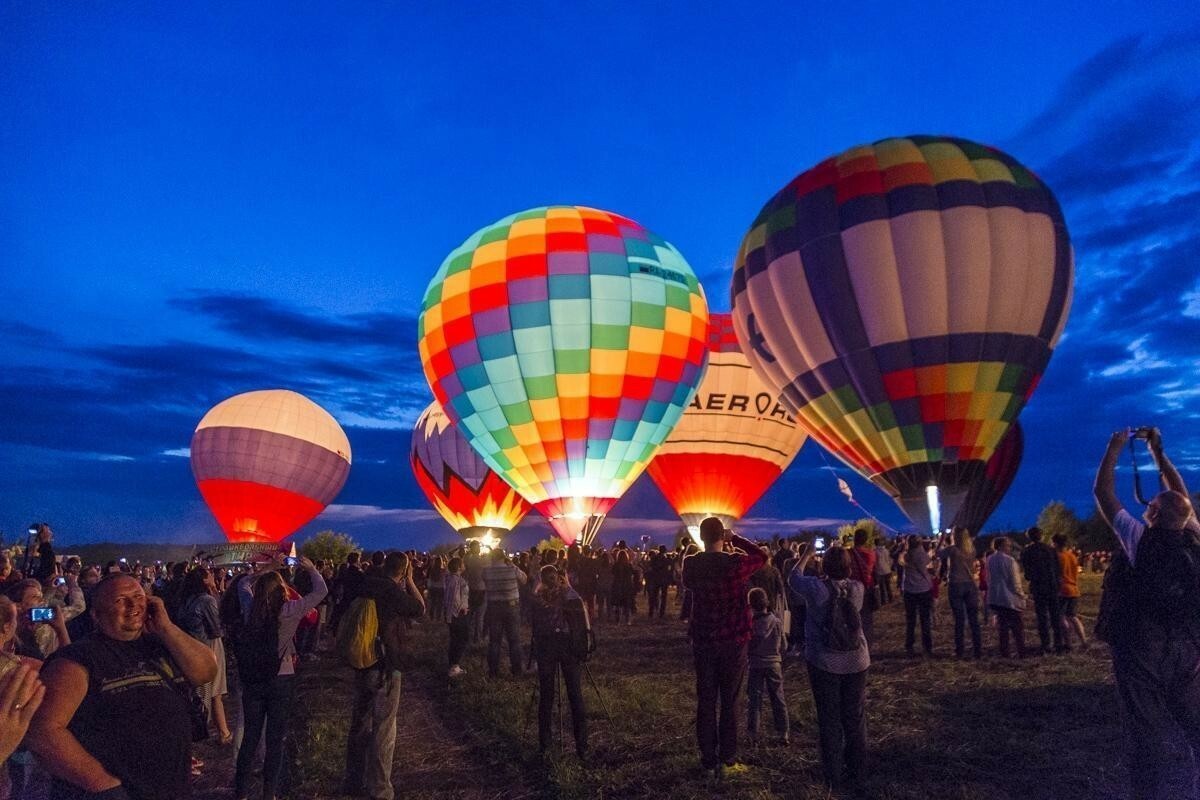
565	342
905	297
267	462
732	442
473	499
989	488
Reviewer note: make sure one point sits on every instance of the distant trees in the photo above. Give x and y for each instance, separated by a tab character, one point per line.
845	533
1088	534
329	546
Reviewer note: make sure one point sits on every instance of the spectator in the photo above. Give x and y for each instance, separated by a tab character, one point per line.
556	609
658	580
719	626
1005	596
21	694
766	665
837	664
371	743
1150	616
47	563
9	577
503	582
883	572
1039	562
349	579
435	581
604	585
115	721
473	565
199	617
862	569
1068	592
623	599
266	658
36	639
83	624
457	609
918	595
769	579
958	562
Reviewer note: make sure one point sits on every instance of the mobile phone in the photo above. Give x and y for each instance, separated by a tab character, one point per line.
41	614
291	561
60	581
228	573
123	560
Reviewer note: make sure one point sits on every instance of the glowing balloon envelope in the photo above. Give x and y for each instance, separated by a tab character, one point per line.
985	494
905	297
267	462
473	499
564	342
733	440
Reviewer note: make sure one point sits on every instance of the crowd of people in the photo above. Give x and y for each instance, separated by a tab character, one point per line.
108	674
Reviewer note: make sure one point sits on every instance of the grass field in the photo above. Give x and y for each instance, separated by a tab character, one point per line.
994	729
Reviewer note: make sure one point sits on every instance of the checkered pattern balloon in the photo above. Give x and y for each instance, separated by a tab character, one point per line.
565	342
905	298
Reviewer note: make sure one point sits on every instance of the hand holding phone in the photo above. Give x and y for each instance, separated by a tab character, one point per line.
39	614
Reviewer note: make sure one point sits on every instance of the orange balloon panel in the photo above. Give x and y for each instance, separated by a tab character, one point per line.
733	440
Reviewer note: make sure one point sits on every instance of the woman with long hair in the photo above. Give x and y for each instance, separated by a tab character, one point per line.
624	588
958	564
199	617
837	671
266	655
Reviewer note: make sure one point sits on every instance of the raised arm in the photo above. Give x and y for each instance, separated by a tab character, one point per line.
194	658
1170	475
1105	488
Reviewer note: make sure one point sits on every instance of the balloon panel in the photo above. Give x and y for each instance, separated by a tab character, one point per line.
733	440
457	482
985	493
267	462
905	298
564	342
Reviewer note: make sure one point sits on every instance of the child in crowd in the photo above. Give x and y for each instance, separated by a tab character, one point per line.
766	666
455	596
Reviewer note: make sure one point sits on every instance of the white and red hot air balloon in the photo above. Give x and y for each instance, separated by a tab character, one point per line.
267	462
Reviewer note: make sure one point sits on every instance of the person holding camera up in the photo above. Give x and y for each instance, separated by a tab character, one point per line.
561	640
1150	617
719	626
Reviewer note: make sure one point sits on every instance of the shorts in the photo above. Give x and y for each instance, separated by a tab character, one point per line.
1067	605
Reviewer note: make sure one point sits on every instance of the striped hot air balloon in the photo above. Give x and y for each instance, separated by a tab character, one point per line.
473	499
565	342
267	462
985	494
905	297
733	440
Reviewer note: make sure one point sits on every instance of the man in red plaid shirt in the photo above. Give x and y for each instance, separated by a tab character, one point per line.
719	628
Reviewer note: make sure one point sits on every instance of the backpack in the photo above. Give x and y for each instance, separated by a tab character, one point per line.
358	634
583	639
841	631
257	653
1157	597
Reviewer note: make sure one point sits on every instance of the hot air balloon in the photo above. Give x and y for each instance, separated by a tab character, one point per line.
565	342
985	494
733	440
267	462
905	297
475	501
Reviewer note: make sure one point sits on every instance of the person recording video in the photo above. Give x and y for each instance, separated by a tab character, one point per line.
1150	615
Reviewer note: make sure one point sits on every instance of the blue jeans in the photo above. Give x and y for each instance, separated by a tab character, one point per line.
770	679
264	704
964	602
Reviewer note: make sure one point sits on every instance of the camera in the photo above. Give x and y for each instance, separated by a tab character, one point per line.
1141	433
291	561
60	581
41	614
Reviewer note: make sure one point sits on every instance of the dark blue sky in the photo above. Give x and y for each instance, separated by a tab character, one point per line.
196	204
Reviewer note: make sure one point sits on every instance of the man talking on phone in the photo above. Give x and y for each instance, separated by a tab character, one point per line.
115	723
719	627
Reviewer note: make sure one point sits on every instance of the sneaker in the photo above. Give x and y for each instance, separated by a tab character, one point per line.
734	768
456	670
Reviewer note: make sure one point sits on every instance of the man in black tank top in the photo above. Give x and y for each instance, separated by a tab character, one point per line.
115	723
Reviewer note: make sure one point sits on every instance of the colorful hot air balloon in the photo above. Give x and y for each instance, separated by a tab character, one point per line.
564	342
985	494
733	440
267	462
905	297
475	501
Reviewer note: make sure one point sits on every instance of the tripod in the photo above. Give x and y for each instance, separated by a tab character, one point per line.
560	690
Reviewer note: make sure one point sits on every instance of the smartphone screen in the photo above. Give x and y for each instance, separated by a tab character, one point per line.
291	561
60	581
41	614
